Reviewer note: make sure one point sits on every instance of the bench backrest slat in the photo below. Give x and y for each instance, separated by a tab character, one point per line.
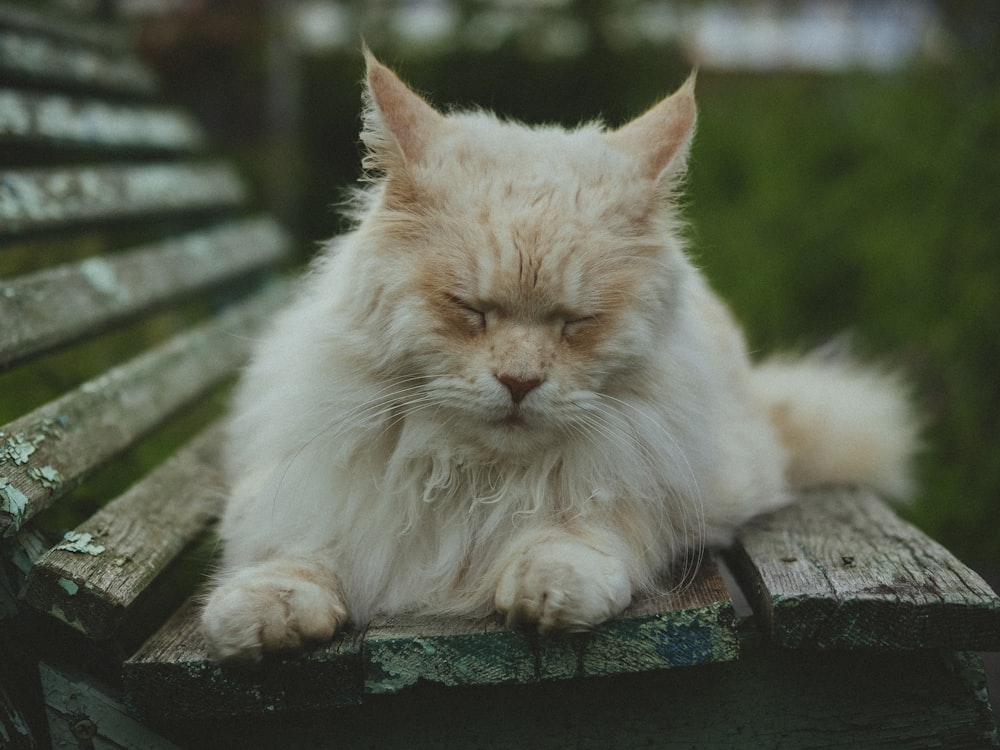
56	120
99	574
59	305
112	213
77	30
56	198
51	450
72	62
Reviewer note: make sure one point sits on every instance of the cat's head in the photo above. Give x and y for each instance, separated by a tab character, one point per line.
519	274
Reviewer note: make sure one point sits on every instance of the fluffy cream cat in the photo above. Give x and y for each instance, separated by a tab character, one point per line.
509	389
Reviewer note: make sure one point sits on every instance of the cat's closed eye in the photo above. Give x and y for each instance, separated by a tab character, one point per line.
577	326
472	314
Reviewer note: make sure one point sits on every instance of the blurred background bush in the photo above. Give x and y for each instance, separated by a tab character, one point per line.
844	179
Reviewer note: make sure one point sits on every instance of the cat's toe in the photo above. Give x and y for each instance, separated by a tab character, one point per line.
563	586
261	609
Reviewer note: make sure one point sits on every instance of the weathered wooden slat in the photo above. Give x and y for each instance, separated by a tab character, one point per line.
95	576
693	626
172	675
84	712
68	63
46	453
53	198
60	305
17	555
839	569
56	120
79	30
821	700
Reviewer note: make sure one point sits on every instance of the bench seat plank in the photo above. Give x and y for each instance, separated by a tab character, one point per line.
37	199
169	672
695	625
47	452
99	574
172	676
774	698
54	120
62	304
840	570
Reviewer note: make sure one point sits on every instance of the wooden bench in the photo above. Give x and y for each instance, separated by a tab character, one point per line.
124	241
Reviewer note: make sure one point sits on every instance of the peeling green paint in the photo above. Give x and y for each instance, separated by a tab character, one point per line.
47	476
56	611
13	501
17	449
397	661
82	542
68	586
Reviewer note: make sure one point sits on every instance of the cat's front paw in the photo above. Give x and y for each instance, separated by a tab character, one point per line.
562	584
271	606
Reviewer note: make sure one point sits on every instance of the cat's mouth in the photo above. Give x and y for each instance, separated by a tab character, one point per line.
513	419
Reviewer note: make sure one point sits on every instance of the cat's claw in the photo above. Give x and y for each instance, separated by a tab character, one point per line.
562	585
271	606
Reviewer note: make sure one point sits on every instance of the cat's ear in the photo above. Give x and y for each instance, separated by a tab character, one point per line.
399	126
661	138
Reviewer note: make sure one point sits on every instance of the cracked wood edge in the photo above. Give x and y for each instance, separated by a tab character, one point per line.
839	569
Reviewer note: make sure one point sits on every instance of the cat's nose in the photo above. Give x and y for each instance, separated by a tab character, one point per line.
519	387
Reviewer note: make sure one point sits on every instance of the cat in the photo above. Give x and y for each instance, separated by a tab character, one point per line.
509	389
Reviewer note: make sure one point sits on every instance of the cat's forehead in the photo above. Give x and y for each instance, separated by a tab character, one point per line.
534	266
534	218
490	153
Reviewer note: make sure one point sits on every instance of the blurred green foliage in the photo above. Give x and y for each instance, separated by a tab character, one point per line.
870	204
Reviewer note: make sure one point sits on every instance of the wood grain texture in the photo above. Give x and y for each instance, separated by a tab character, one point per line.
58	197
82	712
692	626
40	57
839	569
72	28
56	306
773	699
172	676
46	453
131	541
56	121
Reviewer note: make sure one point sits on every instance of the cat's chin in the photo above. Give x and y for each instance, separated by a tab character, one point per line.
512	422
512	435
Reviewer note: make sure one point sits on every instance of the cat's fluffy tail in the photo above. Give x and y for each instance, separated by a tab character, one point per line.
841	422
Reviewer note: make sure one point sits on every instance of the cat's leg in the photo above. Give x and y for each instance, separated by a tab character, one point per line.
275	604
559	580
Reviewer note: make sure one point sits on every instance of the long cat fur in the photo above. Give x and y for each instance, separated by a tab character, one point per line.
509	388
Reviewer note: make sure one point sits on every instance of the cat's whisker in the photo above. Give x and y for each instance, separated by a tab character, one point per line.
683	508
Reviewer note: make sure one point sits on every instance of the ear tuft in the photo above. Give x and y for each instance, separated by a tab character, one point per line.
399	126
661	138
